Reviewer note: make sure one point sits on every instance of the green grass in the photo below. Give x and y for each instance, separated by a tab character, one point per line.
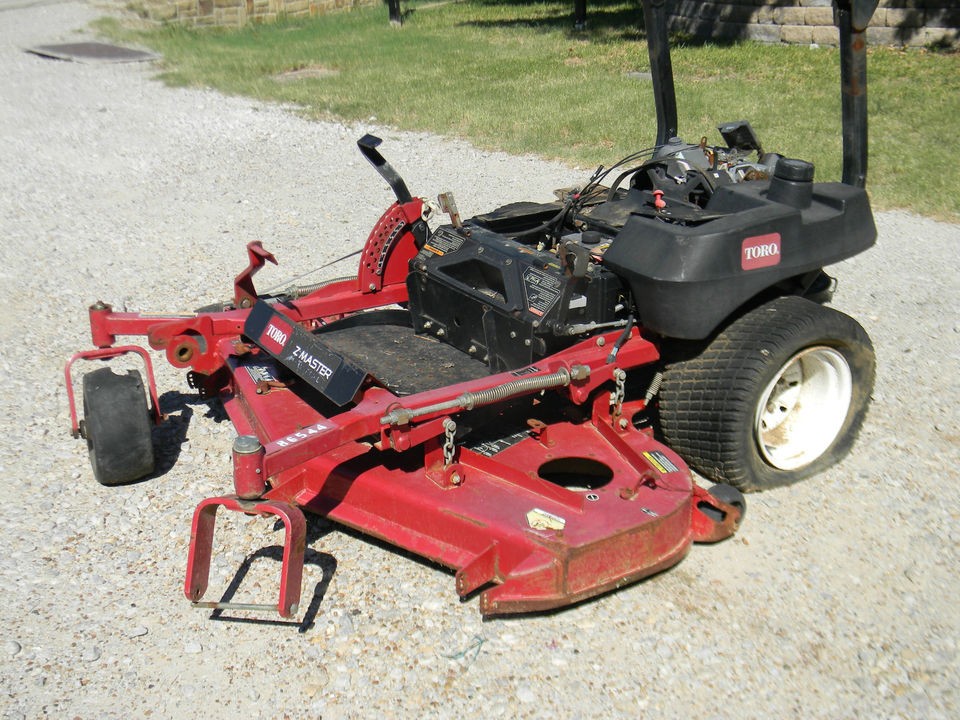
513	76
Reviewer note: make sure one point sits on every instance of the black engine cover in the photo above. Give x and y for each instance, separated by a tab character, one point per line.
502	301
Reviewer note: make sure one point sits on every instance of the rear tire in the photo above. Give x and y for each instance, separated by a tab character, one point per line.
117	426
777	396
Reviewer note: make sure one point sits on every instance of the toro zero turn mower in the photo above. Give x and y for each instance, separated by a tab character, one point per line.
518	396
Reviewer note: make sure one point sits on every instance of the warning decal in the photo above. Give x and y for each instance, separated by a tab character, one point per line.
443	241
660	462
540	290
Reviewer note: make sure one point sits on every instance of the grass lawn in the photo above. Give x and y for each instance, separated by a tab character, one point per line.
515	76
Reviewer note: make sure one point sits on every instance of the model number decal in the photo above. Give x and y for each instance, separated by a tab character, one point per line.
760	251
301	435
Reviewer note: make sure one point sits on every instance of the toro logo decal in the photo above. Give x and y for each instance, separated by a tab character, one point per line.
760	251
275	335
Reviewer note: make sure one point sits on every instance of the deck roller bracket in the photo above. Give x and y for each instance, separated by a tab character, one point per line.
201	548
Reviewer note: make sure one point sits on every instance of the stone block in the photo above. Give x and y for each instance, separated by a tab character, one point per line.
764	33
727	31
709	11
823	35
161	13
940	37
788	15
796	34
947	18
818	16
903	18
685	8
227	17
816	3
883	36
738	13
904	4
764	15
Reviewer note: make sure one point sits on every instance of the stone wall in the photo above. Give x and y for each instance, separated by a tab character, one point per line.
896	22
238	12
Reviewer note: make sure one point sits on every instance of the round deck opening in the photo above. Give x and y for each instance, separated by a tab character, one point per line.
576	473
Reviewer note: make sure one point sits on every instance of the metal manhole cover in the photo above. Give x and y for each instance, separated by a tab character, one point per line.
92	52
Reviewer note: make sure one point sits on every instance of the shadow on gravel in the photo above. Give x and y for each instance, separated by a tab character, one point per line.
169	436
316	529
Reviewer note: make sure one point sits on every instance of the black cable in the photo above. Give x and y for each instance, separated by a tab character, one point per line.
624	336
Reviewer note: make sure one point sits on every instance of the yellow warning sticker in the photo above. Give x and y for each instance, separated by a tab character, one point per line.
660	462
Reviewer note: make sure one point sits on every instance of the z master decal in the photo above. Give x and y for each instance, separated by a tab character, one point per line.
304	354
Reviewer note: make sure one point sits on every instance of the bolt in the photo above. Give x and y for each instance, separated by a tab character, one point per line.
472	349
372	287
441	332
512	334
455	479
623	423
527	342
601	342
427	325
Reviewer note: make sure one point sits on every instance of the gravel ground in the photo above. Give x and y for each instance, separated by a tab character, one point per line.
837	599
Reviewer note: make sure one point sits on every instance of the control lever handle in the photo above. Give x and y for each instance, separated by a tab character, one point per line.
368	146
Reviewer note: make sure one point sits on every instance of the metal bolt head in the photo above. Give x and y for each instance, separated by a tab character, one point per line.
246	445
623	423
601	342
455	479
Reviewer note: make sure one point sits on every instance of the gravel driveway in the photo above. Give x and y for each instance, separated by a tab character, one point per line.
837	600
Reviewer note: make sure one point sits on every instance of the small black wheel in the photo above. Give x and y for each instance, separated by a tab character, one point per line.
779	395
726	494
117	426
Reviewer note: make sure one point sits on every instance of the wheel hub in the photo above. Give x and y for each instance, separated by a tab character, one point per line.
803	408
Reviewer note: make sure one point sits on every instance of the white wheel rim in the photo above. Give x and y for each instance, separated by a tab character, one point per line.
802	410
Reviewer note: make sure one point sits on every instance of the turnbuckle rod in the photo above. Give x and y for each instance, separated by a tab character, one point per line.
471	400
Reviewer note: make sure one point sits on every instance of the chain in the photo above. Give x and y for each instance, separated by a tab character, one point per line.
449	430
616	397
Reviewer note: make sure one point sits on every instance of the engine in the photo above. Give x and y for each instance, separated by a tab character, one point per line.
674	238
506	302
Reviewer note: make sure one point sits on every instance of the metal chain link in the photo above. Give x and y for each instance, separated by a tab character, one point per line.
449	430
616	397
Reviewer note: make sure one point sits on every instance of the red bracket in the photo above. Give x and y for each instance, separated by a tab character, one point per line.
105	354
244	294
201	548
